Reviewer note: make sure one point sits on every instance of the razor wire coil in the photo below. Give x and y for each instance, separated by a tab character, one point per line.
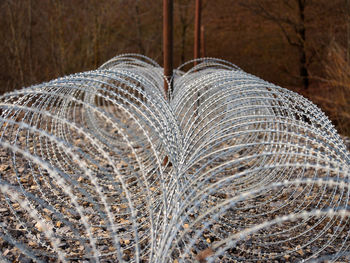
98	166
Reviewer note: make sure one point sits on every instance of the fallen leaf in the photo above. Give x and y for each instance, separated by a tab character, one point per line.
203	255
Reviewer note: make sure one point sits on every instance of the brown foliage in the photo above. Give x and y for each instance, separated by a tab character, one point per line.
335	95
42	40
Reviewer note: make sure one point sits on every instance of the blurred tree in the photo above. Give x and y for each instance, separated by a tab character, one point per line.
184	12
347	4
286	42
139	32
289	16
16	45
46	39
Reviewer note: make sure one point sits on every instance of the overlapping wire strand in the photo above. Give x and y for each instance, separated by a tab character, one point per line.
99	166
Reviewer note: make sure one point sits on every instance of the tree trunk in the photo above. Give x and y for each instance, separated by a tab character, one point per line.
197	28
202	42
347	3
183	42
30	41
16	44
304	72
139	30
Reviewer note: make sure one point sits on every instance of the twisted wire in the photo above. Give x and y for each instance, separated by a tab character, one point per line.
98	166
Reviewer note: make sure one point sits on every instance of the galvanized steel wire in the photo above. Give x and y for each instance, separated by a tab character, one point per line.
99	166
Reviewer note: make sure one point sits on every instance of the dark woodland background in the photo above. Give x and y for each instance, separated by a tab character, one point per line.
302	45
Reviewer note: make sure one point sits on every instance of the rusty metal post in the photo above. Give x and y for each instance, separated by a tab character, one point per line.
197	28
168	44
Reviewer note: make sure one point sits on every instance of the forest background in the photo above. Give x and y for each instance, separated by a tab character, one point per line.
302	45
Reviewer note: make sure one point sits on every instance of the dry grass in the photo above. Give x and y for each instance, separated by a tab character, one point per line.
335	98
